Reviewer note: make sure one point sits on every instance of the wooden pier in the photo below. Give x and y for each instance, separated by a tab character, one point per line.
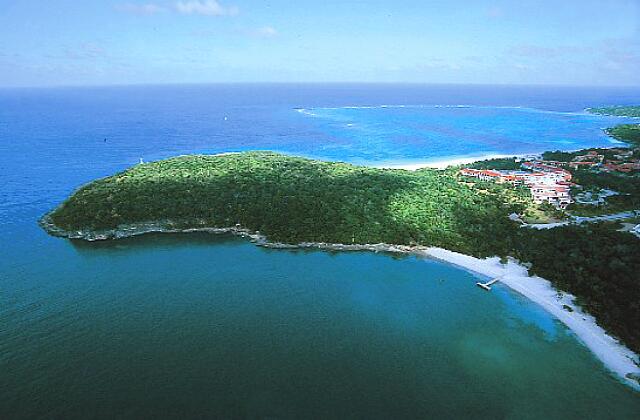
487	286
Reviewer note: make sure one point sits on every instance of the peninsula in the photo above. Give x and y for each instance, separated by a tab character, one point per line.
618	111
453	214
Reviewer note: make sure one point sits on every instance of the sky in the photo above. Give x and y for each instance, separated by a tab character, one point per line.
111	42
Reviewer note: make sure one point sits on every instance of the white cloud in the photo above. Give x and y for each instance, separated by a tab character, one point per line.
265	32
80	52
521	66
186	7
534	51
495	12
146	9
206	8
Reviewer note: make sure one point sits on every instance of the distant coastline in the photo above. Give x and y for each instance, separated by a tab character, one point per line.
464	160
445	163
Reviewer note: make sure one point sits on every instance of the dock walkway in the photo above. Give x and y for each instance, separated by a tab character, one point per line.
487	286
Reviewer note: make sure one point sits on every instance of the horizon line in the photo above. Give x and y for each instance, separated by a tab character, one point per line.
310	83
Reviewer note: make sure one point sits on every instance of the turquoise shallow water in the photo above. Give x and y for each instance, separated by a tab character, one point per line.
207	326
419	133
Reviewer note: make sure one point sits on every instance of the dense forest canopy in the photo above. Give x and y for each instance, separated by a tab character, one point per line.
501	164
595	262
292	200
629	133
619	111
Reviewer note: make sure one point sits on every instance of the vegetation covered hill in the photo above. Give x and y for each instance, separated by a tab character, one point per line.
619	111
292	200
629	133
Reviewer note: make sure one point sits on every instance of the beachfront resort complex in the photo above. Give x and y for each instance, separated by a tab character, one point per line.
549	181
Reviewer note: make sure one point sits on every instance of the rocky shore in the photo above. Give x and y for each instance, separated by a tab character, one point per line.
617	358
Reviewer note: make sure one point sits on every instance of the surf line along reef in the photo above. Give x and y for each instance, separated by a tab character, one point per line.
285	201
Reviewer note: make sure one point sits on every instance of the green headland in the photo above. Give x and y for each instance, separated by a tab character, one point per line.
292	200
618	111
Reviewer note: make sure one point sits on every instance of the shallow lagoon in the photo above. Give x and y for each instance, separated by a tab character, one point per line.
417	134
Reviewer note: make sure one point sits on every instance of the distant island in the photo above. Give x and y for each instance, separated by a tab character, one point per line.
287	201
628	133
618	111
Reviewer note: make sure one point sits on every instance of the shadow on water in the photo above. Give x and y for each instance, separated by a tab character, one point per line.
167	241
156	240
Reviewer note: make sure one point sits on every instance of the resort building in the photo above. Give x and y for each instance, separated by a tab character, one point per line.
582	165
549	169
547	183
557	195
482	174
624	167
591	157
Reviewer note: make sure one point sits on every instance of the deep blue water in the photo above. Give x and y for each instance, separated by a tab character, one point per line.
187	325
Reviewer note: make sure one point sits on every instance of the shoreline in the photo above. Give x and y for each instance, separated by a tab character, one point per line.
450	161
445	163
465	160
616	358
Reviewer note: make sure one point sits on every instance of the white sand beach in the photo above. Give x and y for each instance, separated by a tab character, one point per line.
440	164
615	356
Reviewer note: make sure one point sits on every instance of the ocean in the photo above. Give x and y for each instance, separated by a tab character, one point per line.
209	326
